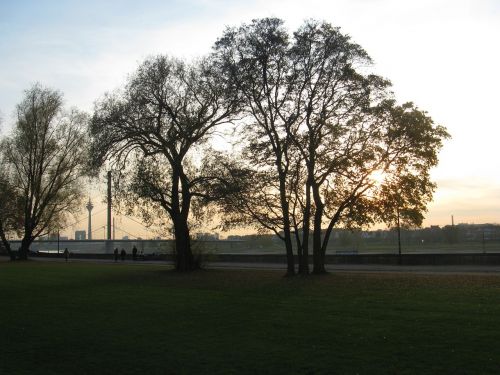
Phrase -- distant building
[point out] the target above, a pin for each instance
(80, 235)
(125, 238)
(54, 237)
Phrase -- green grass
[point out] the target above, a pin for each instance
(80, 318)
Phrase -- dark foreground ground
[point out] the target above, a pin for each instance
(85, 318)
(262, 264)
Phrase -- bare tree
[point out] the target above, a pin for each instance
(45, 157)
(155, 129)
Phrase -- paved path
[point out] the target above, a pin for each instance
(377, 268)
(493, 270)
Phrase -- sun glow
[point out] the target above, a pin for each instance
(378, 177)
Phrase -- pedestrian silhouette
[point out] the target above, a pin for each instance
(66, 254)
(116, 254)
(123, 254)
(134, 253)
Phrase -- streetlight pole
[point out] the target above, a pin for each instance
(109, 205)
(399, 236)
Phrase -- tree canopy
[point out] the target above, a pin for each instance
(44, 159)
(154, 130)
(321, 127)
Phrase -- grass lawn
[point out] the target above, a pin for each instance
(77, 318)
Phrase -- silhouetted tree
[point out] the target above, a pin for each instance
(44, 160)
(10, 205)
(321, 130)
(10, 208)
(155, 129)
(255, 57)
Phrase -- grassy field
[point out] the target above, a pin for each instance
(126, 319)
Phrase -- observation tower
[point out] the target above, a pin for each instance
(89, 207)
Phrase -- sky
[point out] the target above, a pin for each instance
(441, 54)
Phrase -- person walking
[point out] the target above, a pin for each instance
(66, 254)
(123, 254)
(116, 254)
(134, 253)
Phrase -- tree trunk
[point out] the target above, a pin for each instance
(306, 227)
(290, 270)
(184, 260)
(6, 243)
(318, 251)
(298, 241)
(25, 247)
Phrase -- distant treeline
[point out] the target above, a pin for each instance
(448, 234)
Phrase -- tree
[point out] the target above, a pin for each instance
(45, 158)
(328, 128)
(255, 58)
(403, 147)
(10, 211)
(155, 130)
(351, 130)
(10, 206)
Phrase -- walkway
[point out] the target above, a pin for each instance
(362, 268)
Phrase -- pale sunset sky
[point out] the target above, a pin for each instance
(444, 55)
